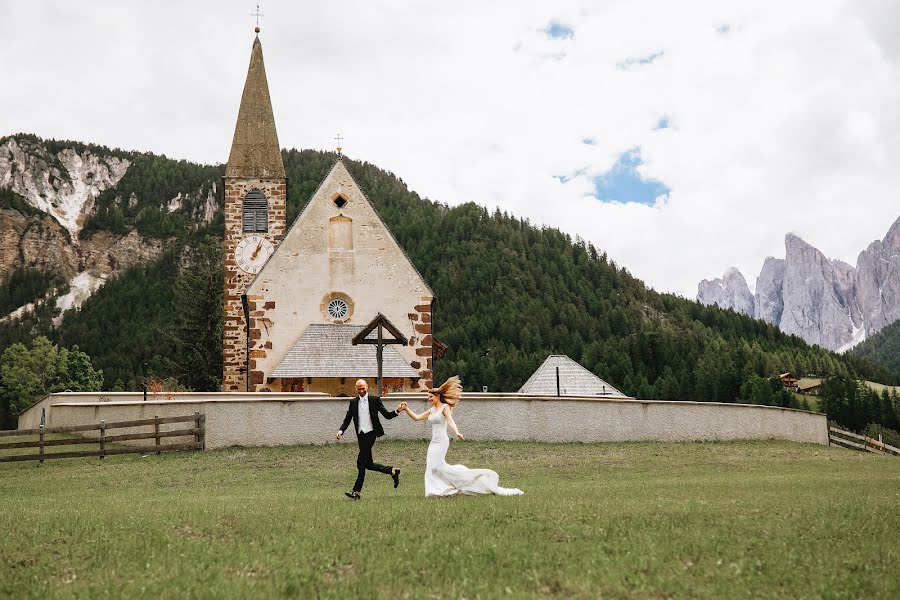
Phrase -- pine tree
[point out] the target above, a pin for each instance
(195, 333)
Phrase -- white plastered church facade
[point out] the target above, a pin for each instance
(295, 300)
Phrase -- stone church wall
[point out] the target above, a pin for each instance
(369, 271)
(236, 280)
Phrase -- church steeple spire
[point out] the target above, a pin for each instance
(255, 216)
(255, 151)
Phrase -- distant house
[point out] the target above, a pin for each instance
(789, 381)
(574, 380)
(809, 386)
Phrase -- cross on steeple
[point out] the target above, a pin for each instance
(339, 138)
(257, 14)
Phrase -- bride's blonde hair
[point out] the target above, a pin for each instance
(449, 392)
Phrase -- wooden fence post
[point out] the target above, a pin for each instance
(197, 440)
(156, 430)
(42, 445)
(102, 440)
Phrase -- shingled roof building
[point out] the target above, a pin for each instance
(574, 380)
(295, 298)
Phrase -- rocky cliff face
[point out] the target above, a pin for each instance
(769, 301)
(63, 185)
(825, 302)
(878, 281)
(819, 300)
(731, 292)
(61, 188)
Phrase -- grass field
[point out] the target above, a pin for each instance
(812, 401)
(646, 520)
(878, 387)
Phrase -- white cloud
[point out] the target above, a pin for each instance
(782, 116)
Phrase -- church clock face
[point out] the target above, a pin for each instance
(252, 253)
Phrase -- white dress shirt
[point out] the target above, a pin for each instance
(365, 419)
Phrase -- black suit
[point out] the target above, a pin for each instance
(367, 440)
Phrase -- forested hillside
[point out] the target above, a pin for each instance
(883, 349)
(508, 293)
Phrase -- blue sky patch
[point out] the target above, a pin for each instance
(622, 183)
(557, 31)
(638, 61)
(589, 141)
(662, 123)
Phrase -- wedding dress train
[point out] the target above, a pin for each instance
(442, 479)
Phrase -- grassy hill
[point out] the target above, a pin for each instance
(647, 520)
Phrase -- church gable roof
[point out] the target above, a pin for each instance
(339, 181)
(574, 380)
(326, 350)
(255, 152)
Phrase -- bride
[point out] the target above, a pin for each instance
(442, 479)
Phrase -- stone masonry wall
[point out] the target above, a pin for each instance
(236, 280)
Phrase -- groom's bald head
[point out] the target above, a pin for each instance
(362, 388)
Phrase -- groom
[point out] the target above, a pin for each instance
(363, 411)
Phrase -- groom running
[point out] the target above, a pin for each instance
(363, 411)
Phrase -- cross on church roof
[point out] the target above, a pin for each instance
(257, 14)
(339, 139)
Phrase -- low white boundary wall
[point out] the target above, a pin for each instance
(269, 419)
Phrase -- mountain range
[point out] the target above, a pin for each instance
(94, 242)
(825, 302)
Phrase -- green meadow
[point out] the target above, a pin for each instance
(642, 520)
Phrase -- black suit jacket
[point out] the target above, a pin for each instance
(375, 407)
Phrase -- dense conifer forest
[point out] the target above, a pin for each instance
(508, 293)
(883, 349)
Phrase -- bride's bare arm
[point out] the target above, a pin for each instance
(416, 417)
(449, 414)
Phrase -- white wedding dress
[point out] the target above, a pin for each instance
(442, 479)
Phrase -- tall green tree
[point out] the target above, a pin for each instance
(29, 374)
(194, 336)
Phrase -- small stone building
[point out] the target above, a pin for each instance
(295, 299)
(574, 380)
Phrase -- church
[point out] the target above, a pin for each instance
(295, 298)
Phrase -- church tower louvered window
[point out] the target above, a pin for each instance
(256, 212)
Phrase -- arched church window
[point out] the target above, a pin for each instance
(256, 212)
(340, 233)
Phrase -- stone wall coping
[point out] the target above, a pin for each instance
(264, 397)
(188, 394)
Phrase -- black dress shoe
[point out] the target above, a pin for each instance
(396, 477)
(352, 495)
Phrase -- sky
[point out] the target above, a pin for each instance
(681, 138)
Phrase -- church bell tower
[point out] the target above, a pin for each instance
(255, 204)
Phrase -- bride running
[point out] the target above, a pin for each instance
(442, 479)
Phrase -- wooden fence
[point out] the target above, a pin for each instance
(849, 439)
(197, 432)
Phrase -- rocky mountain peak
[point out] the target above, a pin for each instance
(769, 304)
(731, 291)
(892, 239)
(825, 302)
